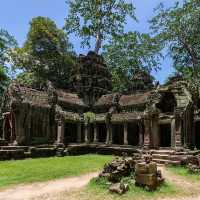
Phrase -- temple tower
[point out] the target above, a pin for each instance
(91, 78)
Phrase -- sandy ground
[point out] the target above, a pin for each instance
(35, 190)
(64, 188)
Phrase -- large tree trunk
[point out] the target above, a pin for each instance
(98, 43)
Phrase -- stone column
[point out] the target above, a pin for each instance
(111, 134)
(79, 132)
(173, 139)
(125, 134)
(140, 135)
(147, 132)
(96, 138)
(86, 133)
(107, 133)
(60, 132)
(178, 130)
(178, 135)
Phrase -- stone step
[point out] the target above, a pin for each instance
(24, 148)
(168, 157)
(167, 162)
(162, 151)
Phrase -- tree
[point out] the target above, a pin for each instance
(6, 43)
(97, 19)
(128, 53)
(178, 28)
(46, 55)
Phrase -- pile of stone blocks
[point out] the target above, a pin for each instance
(193, 164)
(119, 168)
(144, 170)
(147, 175)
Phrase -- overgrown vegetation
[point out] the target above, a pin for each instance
(178, 28)
(47, 54)
(43, 169)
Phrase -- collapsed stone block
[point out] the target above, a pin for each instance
(147, 175)
(119, 188)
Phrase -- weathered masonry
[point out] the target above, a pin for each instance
(145, 117)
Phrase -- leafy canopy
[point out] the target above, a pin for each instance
(128, 53)
(97, 19)
(178, 28)
(46, 55)
(6, 43)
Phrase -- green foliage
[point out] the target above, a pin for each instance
(43, 169)
(6, 43)
(178, 28)
(128, 53)
(98, 189)
(89, 117)
(46, 54)
(97, 19)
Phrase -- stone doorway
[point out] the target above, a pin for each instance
(165, 135)
(101, 131)
(197, 135)
(70, 135)
(133, 134)
(118, 134)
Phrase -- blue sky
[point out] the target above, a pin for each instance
(15, 16)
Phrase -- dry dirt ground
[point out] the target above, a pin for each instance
(70, 189)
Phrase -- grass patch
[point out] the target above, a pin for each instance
(98, 188)
(43, 169)
(183, 171)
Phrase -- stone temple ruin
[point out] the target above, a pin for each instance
(90, 117)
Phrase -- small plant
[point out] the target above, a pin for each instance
(89, 117)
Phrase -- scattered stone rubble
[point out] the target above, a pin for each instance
(119, 168)
(193, 164)
(146, 173)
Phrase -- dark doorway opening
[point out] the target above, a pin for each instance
(70, 133)
(118, 134)
(91, 133)
(165, 135)
(197, 135)
(133, 134)
(101, 131)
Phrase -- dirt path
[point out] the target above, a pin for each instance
(189, 187)
(32, 191)
(62, 189)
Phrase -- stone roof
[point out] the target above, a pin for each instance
(70, 116)
(67, 98)
(26, 94)
(127, 117)
(134, 99)
(105, 100)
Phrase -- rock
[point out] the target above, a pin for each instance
(119, 188)
(118, 168)
(147, 175)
